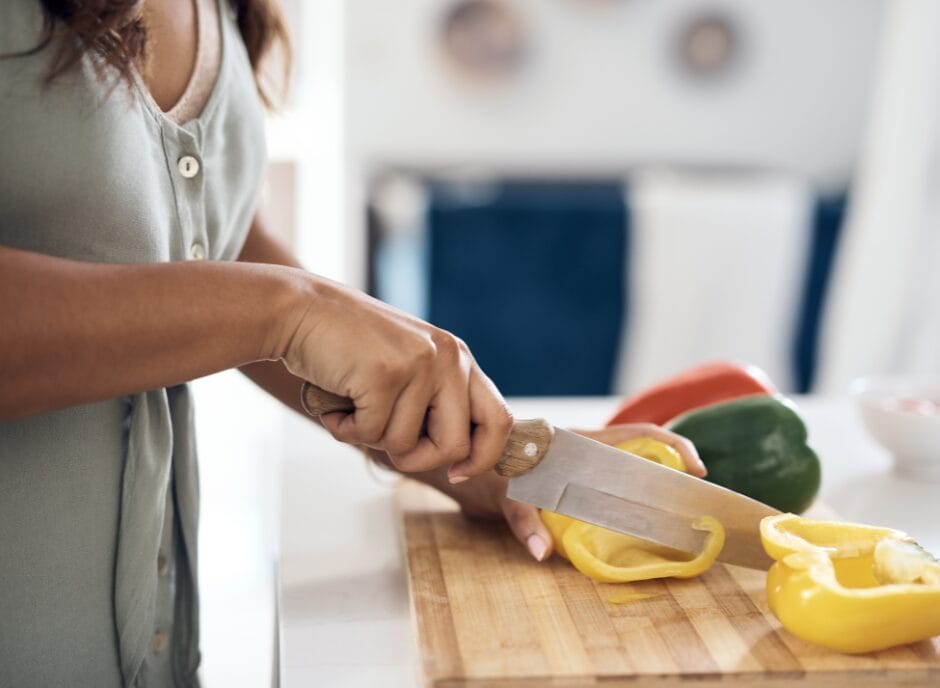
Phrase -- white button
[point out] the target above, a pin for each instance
(188, 166)
(197, 251)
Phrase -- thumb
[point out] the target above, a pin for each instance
(333, 421)
(525, 524)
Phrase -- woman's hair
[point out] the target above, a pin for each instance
(114, 31)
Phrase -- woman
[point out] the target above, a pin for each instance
(133, 259)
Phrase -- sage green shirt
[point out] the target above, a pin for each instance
(99, 503)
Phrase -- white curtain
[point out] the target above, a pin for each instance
(716, 272)
(883, 314)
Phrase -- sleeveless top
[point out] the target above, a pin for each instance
(99, 502)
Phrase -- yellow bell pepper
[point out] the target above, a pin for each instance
(654, 450)
(848, 587)
(612, 557)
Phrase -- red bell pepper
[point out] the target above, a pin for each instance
(702, 385)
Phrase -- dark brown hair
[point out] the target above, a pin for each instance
(114, 31)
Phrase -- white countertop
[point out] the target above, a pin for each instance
(344, 602)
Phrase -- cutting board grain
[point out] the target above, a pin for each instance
(486, 615)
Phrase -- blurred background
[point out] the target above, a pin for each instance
(596, 193)
(593, 194)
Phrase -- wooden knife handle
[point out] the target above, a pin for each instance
(528, 441)
(318, 402)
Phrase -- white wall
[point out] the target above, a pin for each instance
(308, 135)
(599, 93)
(600, 88)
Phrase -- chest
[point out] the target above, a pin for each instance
(173, 45)
(97, 173)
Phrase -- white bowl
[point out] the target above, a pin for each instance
(903, 415)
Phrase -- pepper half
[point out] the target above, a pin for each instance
(757, 446)
(612, 557)
(848, 587)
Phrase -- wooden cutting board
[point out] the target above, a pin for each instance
(487, 615)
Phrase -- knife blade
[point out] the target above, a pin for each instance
(574, 475)
(570, 474)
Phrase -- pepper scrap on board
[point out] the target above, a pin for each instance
(848, 587)
(613, 557)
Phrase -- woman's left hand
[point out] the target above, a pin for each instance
(484, 498)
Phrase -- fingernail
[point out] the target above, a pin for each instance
(457, 479)
(537, 547)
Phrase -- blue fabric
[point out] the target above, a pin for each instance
(532, 278)
(827, 227)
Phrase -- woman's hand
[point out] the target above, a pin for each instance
(418, 392)
(485, 496)
(615, 434)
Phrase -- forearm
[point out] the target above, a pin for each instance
(77, 332)
(271, 376)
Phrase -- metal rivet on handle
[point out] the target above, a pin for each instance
(530, 449)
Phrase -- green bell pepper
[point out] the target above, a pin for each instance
(755, 445)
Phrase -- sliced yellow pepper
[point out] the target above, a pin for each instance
(654, 450)
(849, 587)
(612, 557)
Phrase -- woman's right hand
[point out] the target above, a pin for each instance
(76, 332)
(418, 392)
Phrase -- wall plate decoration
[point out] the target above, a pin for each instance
(483, 39)
(709, 46)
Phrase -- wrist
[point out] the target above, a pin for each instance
(287, 295)
(308, 300)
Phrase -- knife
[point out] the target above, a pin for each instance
(570, 474)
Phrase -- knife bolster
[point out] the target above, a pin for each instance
(528, 442)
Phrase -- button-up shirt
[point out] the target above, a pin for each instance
(99, 502)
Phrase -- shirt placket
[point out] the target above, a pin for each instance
(187, 176)
(187, 172)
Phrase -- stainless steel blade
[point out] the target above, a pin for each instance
(594, 482)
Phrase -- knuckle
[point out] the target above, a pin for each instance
(425, 350)
(406, 463)
(504, 418)
(510, 511)
(446, 344)
(399, 462)
(397, 446)
(456, 451)
(516, 513)
(369, 434)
